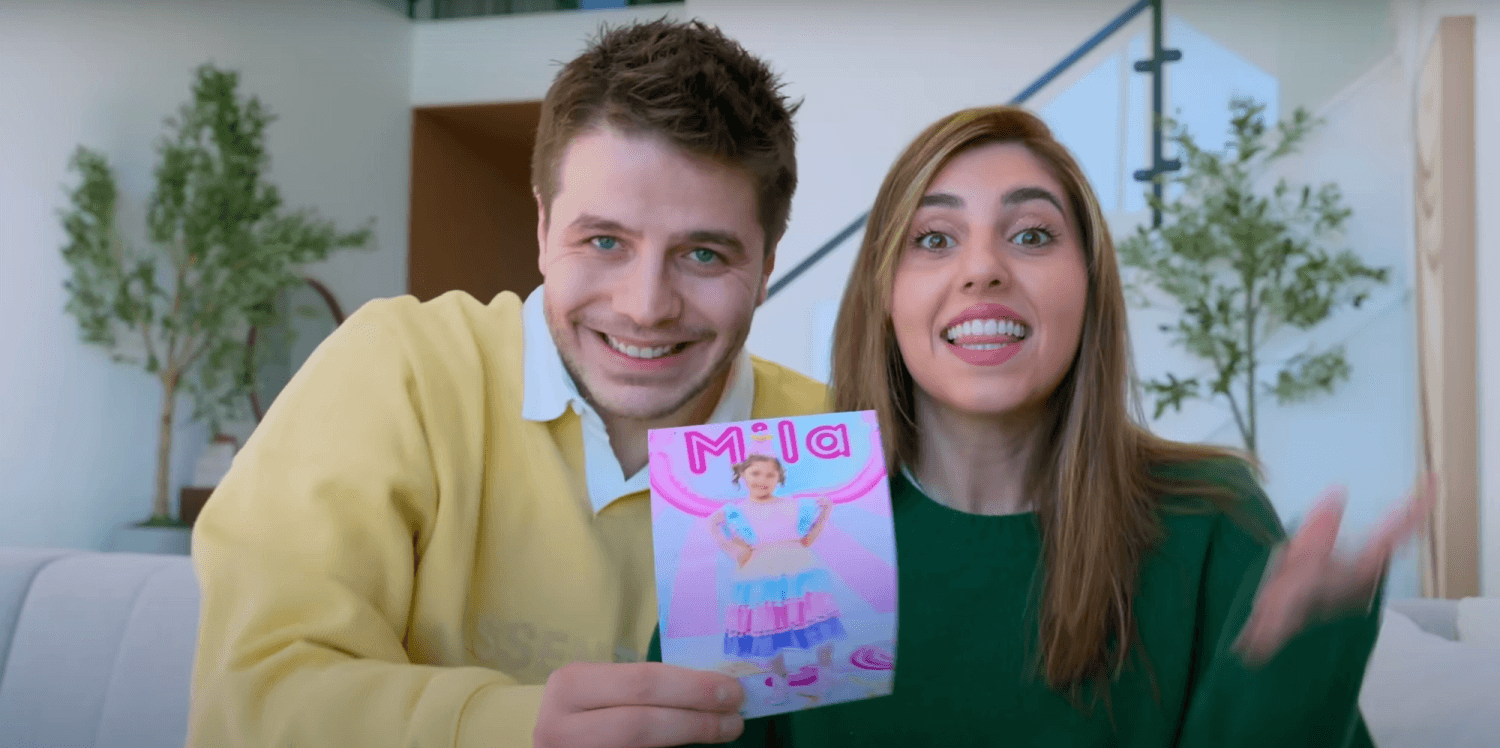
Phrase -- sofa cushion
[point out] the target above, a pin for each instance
(1424, 691)
(18, 567)
(1479, 621)
(102, 654)
(147, 700)
(1433, 615)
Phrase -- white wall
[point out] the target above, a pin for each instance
(77, 444)
(505, 58)
(1487, 116)
(1315, 47)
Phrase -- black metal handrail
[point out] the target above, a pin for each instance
(1153, 66)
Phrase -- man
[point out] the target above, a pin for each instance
(440, 535)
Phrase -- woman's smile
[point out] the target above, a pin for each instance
(985, 334)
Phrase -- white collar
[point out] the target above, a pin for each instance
(548, 391)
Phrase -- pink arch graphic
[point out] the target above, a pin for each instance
(666, 485)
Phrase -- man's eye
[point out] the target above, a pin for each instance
(605, 242)
(704, 256)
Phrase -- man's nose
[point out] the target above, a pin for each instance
(646, 293)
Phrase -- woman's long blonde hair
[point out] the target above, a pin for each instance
(1096, 491)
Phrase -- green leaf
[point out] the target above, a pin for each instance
(1170, 393)
(1307, 375)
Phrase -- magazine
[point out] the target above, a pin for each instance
(775, 557)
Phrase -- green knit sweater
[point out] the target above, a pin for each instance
(967, 623)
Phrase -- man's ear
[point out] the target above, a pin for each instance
(541, 232)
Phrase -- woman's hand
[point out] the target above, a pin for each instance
(1307, 577)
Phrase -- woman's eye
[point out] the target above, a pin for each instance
(1032, 237)
(934, 240)
(704, 256)
(605, 242)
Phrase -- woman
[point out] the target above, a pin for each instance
(1066, 578)
(782, 595)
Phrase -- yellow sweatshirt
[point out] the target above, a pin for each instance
(398, 558)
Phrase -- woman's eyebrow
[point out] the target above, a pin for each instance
(1014, 197)
(1026, 194)
(941, 200)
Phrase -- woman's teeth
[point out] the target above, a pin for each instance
(641, 353)
(986, 328)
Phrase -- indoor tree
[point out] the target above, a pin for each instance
(1241, 262)
(219, 249)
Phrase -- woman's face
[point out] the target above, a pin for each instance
(761, 478)
(990, 288)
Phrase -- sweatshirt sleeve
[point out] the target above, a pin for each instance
(1308, 693)
(305, 557)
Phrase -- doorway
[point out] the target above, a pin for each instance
(473, 218)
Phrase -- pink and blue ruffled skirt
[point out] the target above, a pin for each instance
(790, 611)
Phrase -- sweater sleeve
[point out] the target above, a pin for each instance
(1308, 693)
(305, 557)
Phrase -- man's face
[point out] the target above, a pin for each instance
(653, 262)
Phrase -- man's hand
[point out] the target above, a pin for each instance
(637, 705)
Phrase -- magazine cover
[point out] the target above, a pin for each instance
(775, 557)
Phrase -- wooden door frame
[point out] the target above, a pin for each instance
(1447, 306)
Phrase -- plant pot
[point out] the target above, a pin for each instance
(140, 538)
(190, 501)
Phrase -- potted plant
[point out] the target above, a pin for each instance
(219, 248)
(1241, 262)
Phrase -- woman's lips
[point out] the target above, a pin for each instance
(996, 351)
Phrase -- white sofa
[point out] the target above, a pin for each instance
(1434, 677)
(96, 651)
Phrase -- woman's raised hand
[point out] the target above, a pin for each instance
(1307, 577)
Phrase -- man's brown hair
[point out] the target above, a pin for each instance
(688, 83)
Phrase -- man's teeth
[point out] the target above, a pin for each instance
(638, 352)
(989, 328)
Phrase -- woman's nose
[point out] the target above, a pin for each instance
(984, 267)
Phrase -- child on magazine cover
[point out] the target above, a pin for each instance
(782, 595)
